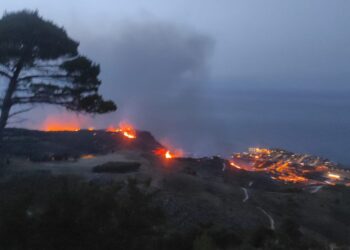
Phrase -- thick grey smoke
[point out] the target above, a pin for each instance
(155, 71)
(279, 72)
(153, 55)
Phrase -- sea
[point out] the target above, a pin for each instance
(224, 121)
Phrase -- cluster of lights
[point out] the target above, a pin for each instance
(334, 176)
(284, 170)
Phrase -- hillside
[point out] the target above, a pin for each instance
(202, 201)
(41, 145)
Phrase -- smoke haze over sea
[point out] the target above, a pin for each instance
(216, 78)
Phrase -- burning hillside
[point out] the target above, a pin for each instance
(74, 123)
(168, 154)
(64, 145)
(57, 124)
(78, 138)
(126, 129)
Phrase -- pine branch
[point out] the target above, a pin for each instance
(20, 112)
(5, 74)
(47, 66)
(17, 121)
(59, 99)
(28, 78)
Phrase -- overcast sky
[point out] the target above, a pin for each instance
(161, 58)
(302, 41)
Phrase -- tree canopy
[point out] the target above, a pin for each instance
(42, 65)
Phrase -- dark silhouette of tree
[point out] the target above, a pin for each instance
(41, 65)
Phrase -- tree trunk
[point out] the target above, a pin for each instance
(7, 103)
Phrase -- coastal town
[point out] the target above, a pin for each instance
(286, 166)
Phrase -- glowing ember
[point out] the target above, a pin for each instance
(61, 127)
(88, 156)
(125, 129)
(162, 152)
(167, 154)
(111, 129)
(64, 122)
(129, 135)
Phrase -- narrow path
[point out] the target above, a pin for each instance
(316, 189)
(223, 166)
(272, 222)
(246, 195)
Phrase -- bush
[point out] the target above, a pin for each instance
(67, 213)
(261, 237)
(204, 242)
(117, 167)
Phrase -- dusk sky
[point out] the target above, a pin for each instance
(303, 42)
(166, 58)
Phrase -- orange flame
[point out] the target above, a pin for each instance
(88, 156)
(129, 135)
(125, 129)
(167, 154)
(111, 129)
(161, 152)
(61, 123)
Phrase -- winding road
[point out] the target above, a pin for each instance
(316, 189)
(246, 195)
(272, 221)
(223, 167)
